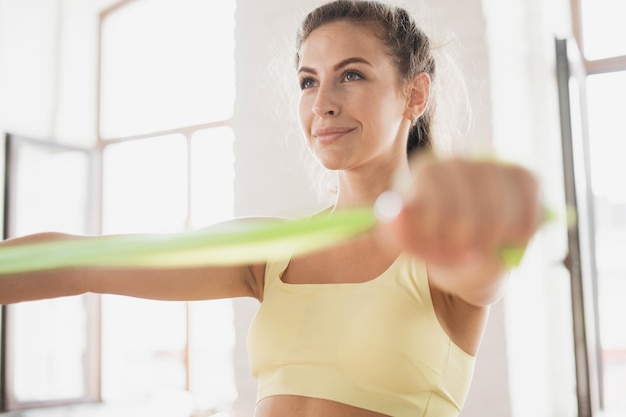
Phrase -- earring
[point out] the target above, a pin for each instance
(414, 121)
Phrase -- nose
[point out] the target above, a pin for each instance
(326, 103)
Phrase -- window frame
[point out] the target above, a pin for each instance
(585, 314)
(186, 131)
(592, 66)
(91, 375)
(102, 143)
(95, 197)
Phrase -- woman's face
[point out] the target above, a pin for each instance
(351, 110)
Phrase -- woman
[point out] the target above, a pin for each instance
(389, 323)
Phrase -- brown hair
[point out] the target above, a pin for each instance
(406, 44)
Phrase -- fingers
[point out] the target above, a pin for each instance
(459, 210)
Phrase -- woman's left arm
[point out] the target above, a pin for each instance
(460, 216)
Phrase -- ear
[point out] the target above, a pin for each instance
(418, 94)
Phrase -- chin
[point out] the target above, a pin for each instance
(331, 161)
(331, 165)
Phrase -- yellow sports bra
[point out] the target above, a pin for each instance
(375, 345)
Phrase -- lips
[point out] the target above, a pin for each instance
(329, 134)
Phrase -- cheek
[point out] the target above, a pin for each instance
(389, 114)
(378, 123)
(380, 105)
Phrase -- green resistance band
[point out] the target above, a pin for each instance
(239, 242)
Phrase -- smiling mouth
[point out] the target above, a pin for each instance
(330, 135)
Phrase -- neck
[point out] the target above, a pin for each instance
(360, 188)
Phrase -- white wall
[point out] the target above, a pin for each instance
(269, 147)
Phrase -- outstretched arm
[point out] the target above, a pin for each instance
(194, 283)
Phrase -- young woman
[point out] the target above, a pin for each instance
(389, 323)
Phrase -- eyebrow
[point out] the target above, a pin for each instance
(340, 65)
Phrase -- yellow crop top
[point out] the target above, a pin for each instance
(375, 345)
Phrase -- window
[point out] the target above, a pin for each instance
(601, 345)
(601, 29)
(605, 95)
(163, 162)
(49, 347)
(166, 99)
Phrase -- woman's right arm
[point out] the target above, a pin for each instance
(175, 284)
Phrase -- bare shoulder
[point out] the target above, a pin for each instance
(254, 274)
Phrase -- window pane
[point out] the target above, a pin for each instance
(607, 147)
(145, 190)
(603, 28)
(48, 339)
(145, 186)
(49, 345)
(143, 348)
(211, 346)
(606, 94)
(212, 380)
(212, 176)
(176, 70)
(51, 190)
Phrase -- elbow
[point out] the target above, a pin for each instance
(480, 287)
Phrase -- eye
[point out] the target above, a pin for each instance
(307, 82)
(352, 75)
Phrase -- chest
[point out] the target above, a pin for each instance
(355, 262)
(375, 331)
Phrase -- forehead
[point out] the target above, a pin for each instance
(342, 38)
